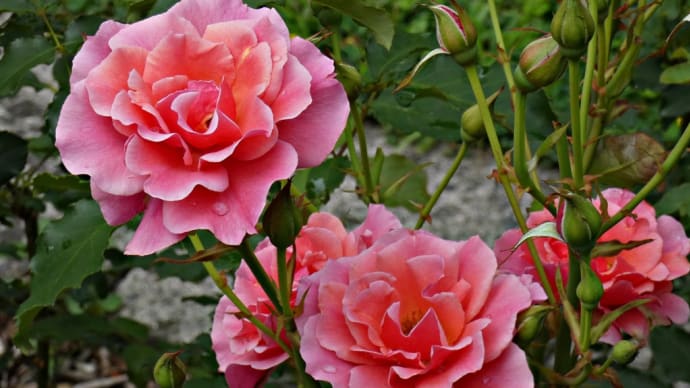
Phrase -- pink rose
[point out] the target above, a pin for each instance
(643, 272)
(243, 352)
(414, 310)
(190, 116)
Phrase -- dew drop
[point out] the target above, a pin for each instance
(220, 208)
(276, 58)
(330, 369)
(486, 380)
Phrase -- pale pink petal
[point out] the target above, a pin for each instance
(168, 176)
(90, 145)
(509, 370)
(148, 33)
(477, 267)
(676, 246)
(111, 76)
(294, 94)
(254, 144)
(322, 364)
(118, 209)
(508, 296)
(314, 132)
(231, 214)
(456, 365)
(180, 54)
(94, 50)
(253, 72)
(674, 307)
(378, 222)
(151, 235)
(204, 13)
(320, 67)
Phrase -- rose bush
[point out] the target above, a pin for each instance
(414, 310)
(244, 353)
(189, 116)
(644, 272)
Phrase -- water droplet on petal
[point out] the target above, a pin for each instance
(276, 58)
(220, 208)
(330, 369)
(486, 380)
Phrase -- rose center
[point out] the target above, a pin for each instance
(410, 320)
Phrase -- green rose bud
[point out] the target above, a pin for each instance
(471, 123)
(541, 64)
(627, 160)
(578, 221)
(624, 351)
(455, 33)
(170, 371)
(282, 220)
(530, 322)
(572, 27)
(590, 289)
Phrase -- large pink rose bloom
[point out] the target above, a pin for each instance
(644, 272)
(414, 310)
(243, 352)
(190, 116)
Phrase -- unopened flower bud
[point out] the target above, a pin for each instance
(624, 351)
(572, 27)
(627, 160)
(578, 222)
(349, 77)
(170, 371)
(455, 33)
(471, 123)
(541, 63)
(282, 220)
(530, 322)
(590, 289)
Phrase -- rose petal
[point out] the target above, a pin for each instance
(230, 214)
(90, 145)
(509, 370)
(151, 236)
(118, 209)
(94, 50)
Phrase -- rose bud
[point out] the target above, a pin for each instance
(455, 33)
(572, 27)
(170, 371)
(578, 221)
(541, 64)
(530, 322)
(590, 290)
(282, 220)
(471, 123)
(624, 351)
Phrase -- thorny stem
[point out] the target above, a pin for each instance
(222, 284)
(476, 86)
(267, 284)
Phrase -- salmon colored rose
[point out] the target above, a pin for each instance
(189, 116)
(244, 353)
(644, 272)
(414, 310)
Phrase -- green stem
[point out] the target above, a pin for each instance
(364, 156)
(503, 57)
(563, 158)
(335, 40)
(267, 284)
(284, 286)
(564, 359)
(476, 86)
(589, 72)
(444, 182)
(222, 284)
(58, 46)
(520, 159)
(585, 328)
(574, 89)
(671, 160)
(594, 131)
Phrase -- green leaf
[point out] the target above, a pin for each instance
(547, 229)
(20, 57)
(675, 200)
(319, 182)
(377, 20)
(676, 74)
(13, 153)
(88, 328)
(671, 349)
(69, 250)
(17, 6)
(403, 182)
